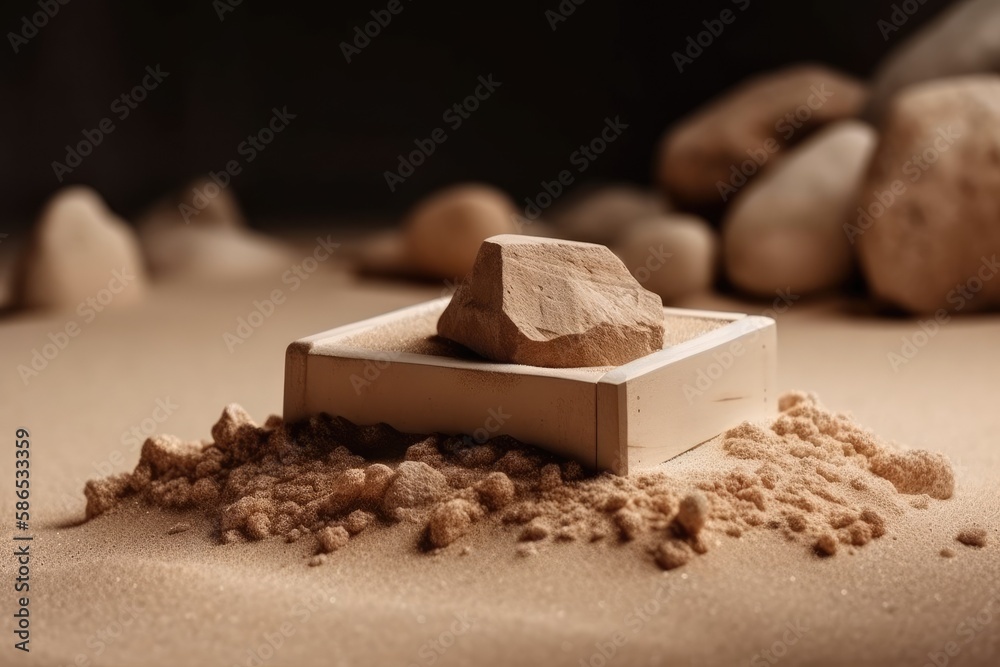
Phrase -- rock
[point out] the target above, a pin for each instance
(415, 484)
(383, 253)
(673, 255)
(358, 521)
(785, 232)
(377, 478)
(705, 158)
(973, 537)
(443, 233)
(826, 544)
(193, 236)
(232, 424)
(630, 522)
(210, 255)
(202, 202)
(79, 250)
(693, 513)
(495, 491)
(560, 304)
(927, 226)
(332, 538)
(450, 521)
(604, 214)
(673, 554)
(536, 530)
(962, 40)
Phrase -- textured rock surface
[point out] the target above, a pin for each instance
(786, 231)
(927, 225)
(672, 255)
(443, 232)
(604, 214)
(79, 250)
(560, 304)
(963, 40)
(758, 118)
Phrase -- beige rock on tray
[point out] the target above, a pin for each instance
(79, 250)
(559, 304)
(965, 39)
(927, 225)
(442, 233)
(786, 231)
(707, 151)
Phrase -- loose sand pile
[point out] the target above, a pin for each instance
(814, 476)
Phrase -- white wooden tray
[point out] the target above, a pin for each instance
(716, 370)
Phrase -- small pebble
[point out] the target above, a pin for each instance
(972, 537)
(693, 513)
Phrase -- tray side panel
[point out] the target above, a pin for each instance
(296, 362)
(612, 428)
(664, 411)
(551, 412)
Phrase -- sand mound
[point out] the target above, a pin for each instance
(813, 475)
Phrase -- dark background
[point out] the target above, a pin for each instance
(607, 59)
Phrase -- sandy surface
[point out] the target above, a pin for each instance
(120, 591)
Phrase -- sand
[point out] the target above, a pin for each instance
(120, 590)
(417, 334)
(811, 474)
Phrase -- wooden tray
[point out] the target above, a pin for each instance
(716, 370)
